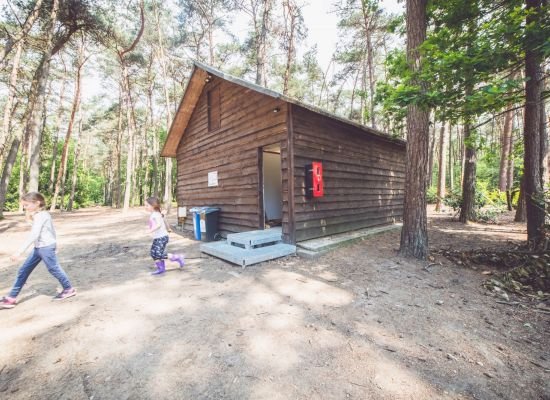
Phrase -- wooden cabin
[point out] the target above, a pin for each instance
(244, 149)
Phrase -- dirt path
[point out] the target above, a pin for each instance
(359, 323)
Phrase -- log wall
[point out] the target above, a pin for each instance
(363, 176)
(247, 123)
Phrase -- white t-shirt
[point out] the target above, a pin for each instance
(42, 231)
(156, 219)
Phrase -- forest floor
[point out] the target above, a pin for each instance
(357, 323)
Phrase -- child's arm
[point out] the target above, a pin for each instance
(37, 224)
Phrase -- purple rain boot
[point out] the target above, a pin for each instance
(161, 268)
(179, 258)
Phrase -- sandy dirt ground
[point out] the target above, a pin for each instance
(357, 323)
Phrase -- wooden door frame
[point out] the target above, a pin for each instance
(261, 208)
(261, 211)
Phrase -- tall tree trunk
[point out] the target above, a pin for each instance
(118, 155)
(6, 172)
(533, 129)
(363, 88)
(61, 173)
(75, 160)
(467, 210)
(131, 128)
(33, 124)
(451, 162)
(126, 94)
(60, 111)
(368, 23)
(290, 16)
(505, 152)
(521, 210)
(8, 112)
(414, 234)
(168, 161)
(431, 146)
(442, 165)
(261, 43)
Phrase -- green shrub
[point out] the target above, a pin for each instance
(431, 195)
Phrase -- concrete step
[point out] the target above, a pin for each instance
(252, 239)
(245, 257)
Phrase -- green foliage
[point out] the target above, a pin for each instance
(431, 195)
(488, 203)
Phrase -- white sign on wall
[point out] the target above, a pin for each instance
(213, 178)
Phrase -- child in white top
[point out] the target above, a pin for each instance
(157, 228)
(44, 239)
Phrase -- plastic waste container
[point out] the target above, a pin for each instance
(196, 221)
(209, 223)
(205, 222)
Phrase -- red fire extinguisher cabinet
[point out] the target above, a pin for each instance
(314, 180)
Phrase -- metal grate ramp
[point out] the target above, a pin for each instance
(249, 248)
(252, 239)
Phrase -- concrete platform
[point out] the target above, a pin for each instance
(316, 247)
(245, 257)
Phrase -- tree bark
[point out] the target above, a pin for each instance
(533, 129)
(60, 110)
(505, 152)
(431, 146)
(451, 165)
(369, 24)
(8, 112)
(467, 210)
(442, 165)
(6, 173)
(261, 43)
(131, 128)
(168, 161)
(118, 155)
(59, 184)
(289, 11)
(76, 159)
(33, 124)
(125, 85)
(414, 234)
(521, 210)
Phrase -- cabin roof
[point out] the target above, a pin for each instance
(194, 89)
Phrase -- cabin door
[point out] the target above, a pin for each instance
(271, 189)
